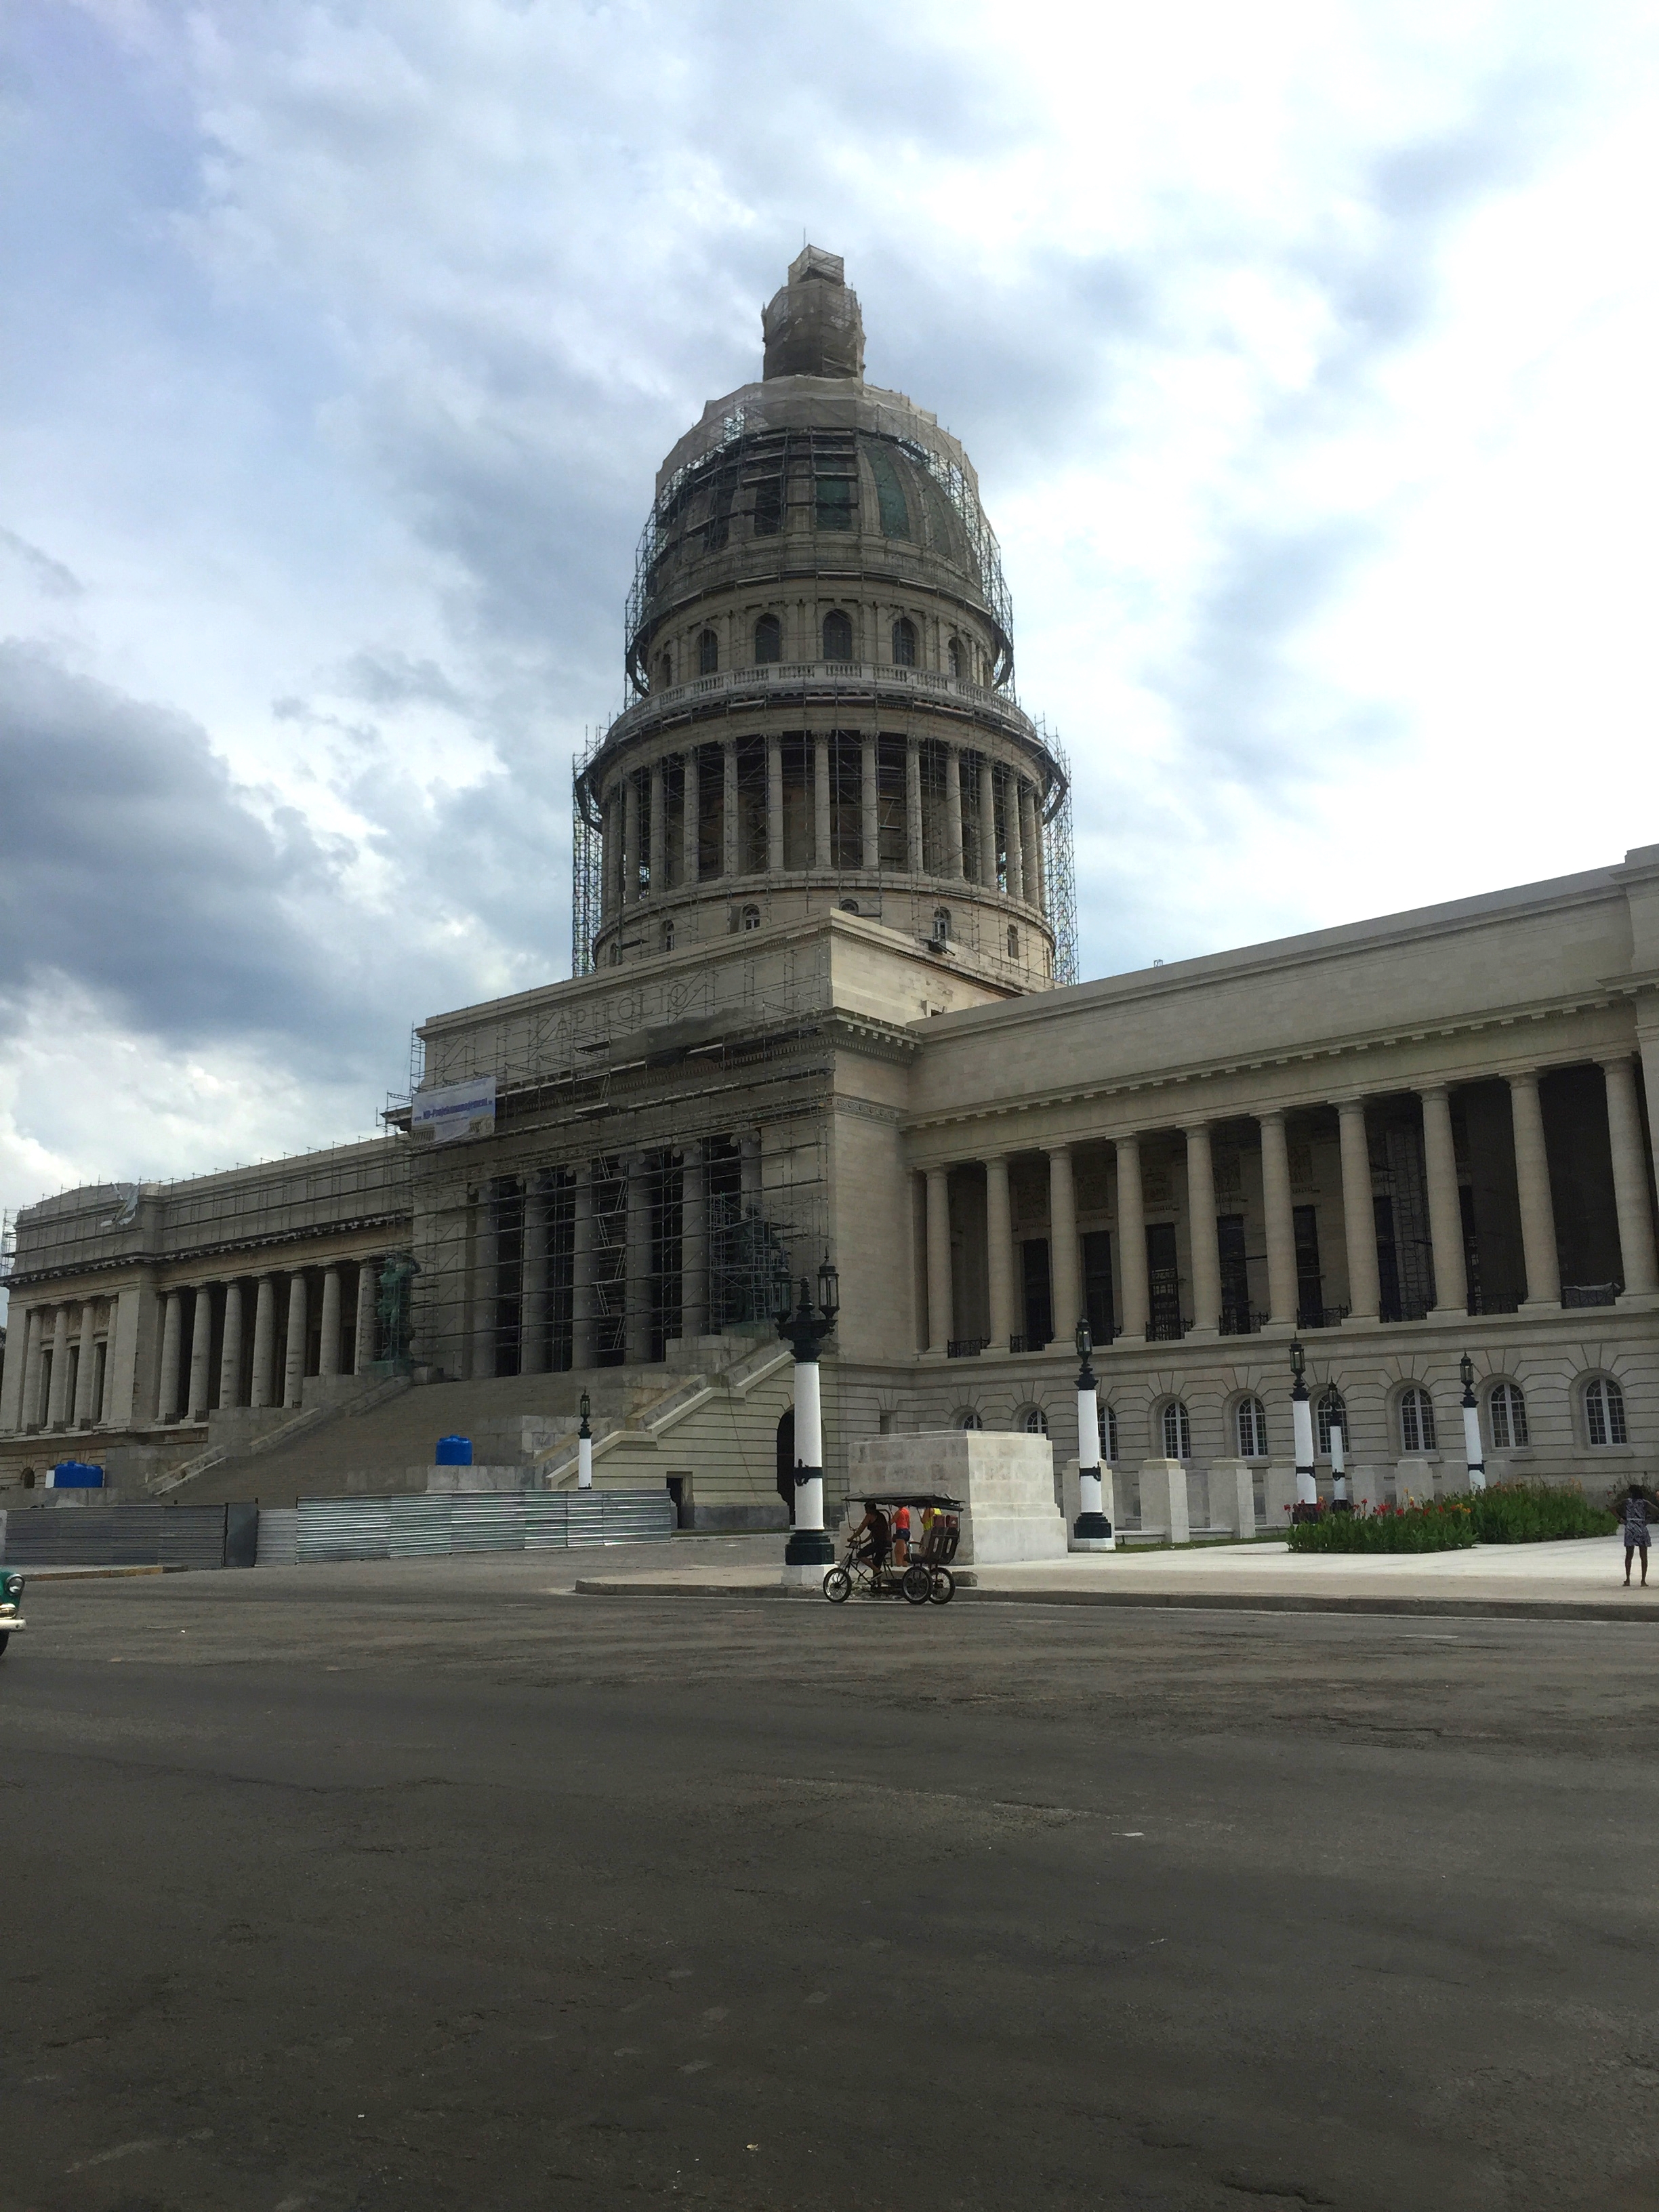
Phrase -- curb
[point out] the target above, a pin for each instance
(1188, 1601)
(85, 1574)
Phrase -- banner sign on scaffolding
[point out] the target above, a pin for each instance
(451, 1110)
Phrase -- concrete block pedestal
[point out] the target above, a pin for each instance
(1007, 1484)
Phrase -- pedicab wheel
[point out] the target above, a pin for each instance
(918, 1584)
(944, 1586)
(837, 1585)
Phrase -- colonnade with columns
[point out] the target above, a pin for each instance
(1207, 1314)
(969, 815)
(600, 1261)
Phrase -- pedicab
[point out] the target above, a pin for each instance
(870, 1565)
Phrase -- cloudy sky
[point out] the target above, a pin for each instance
(1306, 353)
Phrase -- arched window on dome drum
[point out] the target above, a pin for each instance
(1506, 1409)
(668, 936)
(665, 669)
(904, 643)
(1416, 1421)
(768, 638)
(708, 654)
(1013, 944)
(953, 657)
(1177, 1432)
(838, 636)
(749, 917)
(941, 925)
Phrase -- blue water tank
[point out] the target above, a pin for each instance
(76, 1475)
(454, 1451)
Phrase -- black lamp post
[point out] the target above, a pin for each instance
(1302, 1430)
(1473, 1450)
(803, 1329)
(585, 1446)
(1092, 1526)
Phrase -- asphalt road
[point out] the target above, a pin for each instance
(383, 1886)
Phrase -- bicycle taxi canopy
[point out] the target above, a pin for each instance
(934, 1497)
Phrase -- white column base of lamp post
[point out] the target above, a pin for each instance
(1306, 1485)
(809, 1550)
(1092, 1530)
(584, 1463)
(1474, 1450)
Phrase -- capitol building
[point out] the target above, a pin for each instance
(824, 1002)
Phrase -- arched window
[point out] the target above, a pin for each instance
(1506, 1409)
(1604, 1412)
(904, 643)
(616, 952)
(1034, 1422)
(1416, 1419)
(970, 1419)
(1013, 944)
(1177, 1433)
(837, 635)
(1107, 1417)
(768, 638)
(749, 917)
(941, 925)
(708, 654)
(1252, 1422)
(668, 936)
(1331, 1409)
(665, 669)
(953, 657)
(849, 906)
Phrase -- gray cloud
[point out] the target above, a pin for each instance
(49, 576)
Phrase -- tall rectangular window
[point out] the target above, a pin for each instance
(1310, 1281)
(1098, 1283)
(1039, 1304)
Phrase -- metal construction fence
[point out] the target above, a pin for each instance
(129, 1536)
(439, 1527)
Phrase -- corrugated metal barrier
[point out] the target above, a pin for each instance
(440, 1526)
(127, 1535)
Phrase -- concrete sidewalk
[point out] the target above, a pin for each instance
(1578, 1579)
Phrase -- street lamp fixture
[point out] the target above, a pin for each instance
(1092, 1529)
(584, 1445)
(809, 1550)
(1473, 1450)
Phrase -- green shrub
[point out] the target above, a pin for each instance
(1534, 1513)
(1441, 1526)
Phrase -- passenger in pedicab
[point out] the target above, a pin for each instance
(902, 1537)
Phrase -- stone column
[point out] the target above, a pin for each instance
(774, 806)
(230, 1348)
(20, 1346)
(659, 832)
(486, 1283)
(731, 857)
(1281, 1223)
(201, 1352)
(637, 1288)
(34, 1411)
(953, 810)
(1062, 1242)
(913, 861)
(941, 1320)
(86, 1371)
(57, 1402)
(1451, 1289)
(1532, 1177)
(1037, 865)
(293, 1364)
(822, 849)
(694, 1243)
(609, 856)
(1359, 1215)
(1630, 1178)
(1013, 830)
(630, 882)
(691, 816)
(1201, 1231)
(1132, 1240)
(988, 873)
(869, 808)
(999, 1250)
(368, 1292)
(583, 1350)
(328, 1357)
(533, 1313)
(260, 1391)
(1029, 842)
(109, 1393)
(166, 1392)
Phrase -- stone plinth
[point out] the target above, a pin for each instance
(1007, 1484)
(1163, 1499)
(1232, 1496)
